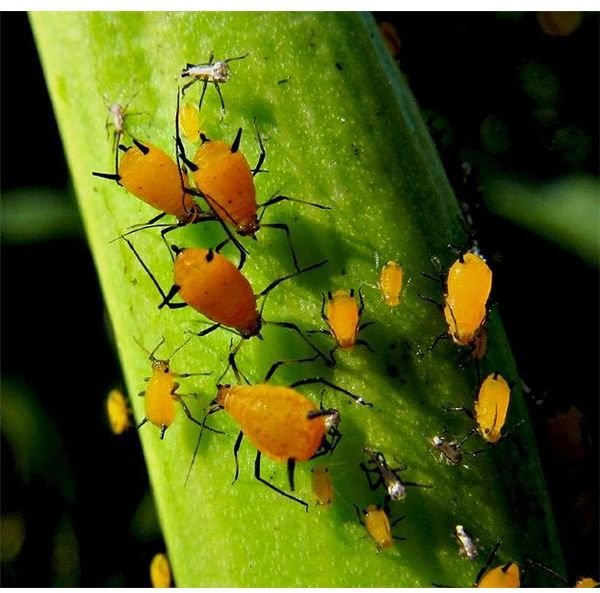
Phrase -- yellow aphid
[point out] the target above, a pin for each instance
(586, 583)
(342, 315)
(377, 524)
(189, 120)
(322, 485)
(118, 411)
(390, 281)
(160, 572)
(491, 407)
(468, 287)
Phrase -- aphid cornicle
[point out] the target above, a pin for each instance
(391, 283)
(212, 72)
(386, 476)
(377, 523)
(281, 423)
(491, 408)
(118, 411)
(225, 181)
(209, 283)
(342, 312)
(160, 572)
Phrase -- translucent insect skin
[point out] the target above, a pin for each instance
(468, 286)
(466, 543)
(279, 421)
(322, 486)
(391, 282)
(215, 72)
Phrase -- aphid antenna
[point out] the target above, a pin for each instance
(211, 410)
(548, 570)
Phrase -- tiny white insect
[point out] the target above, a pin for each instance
(210, 72)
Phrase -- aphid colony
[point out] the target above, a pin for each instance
(283, 424)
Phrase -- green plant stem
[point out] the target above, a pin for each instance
(341, 128)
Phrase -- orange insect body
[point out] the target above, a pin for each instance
(390, 281)
(322, 486)
(586, 582)
(491, 407)
(154, 177)
(342, 317)
(212, 285)
(159, 403)
(502, 577)
(275, 419)
(377, 524)
(226, 180)
(468, 287)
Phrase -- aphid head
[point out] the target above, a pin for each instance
(248, 228)
(254, 328)
(437, 441)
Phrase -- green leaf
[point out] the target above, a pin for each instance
(343, 131)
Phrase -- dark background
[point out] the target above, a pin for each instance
(76, 509)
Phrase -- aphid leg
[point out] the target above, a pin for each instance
(272, 486)
(208, 330)
(202, 93)
(365, 344)
(358, 399)
(144, 420)
(210, 411)
(430, 300)
(277, 199)
(373, 485)
(235, 145)
(280, 363)
(263, 153)
(443, 336)
(294, 327)
(220, 97)
(166, 297)
(189, 415)
(284, 227)
(359, 515)
(236, 448)
(462, 409)
(278, 281)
